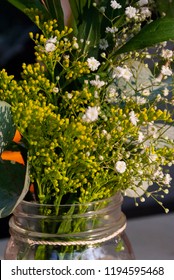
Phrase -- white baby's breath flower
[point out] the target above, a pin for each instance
(158, 174)
(55, 89)
(140, 100)
(91, 114)
(142, 3)
(50, 47)
(153, 157)
(140, 137)
(103, 44)
(120, 166)
(146, 92)
(50, 44)
(96, 94)
(165, 92)
(166, 71)
(101, 157)
(104, 132)
(52, 40)
(112, 30)
(152, 130)
(115, 5)
(131, 12)
(93, 63)
(88, 154)
(122, 72)
(75, 45)
(167, 179)
(111, 93)
(145, 12)
(69, 95)
(166, 53)
(97, 83)
(133, 118)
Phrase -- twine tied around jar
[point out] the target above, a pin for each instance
(77, 242)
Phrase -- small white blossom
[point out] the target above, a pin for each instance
(145, 12)
(131, 12)
(146, 92)
(101, 157)
(142, 3)
(140, 100)
(166, 53)
(120, 166)
(140, 137)
(87, 154)
(93, 63)
(91, 114)
(103, 44)
(165, 92)
(52, 40)
(158, 174)
(111, 29)
(111, 94)
(69, 95)
(96, 94)
(50, 47)
(152, 130)
(50, 44)
(122, 72)
(104, 132)
(153, 157)
(108, 136)
(166, 71)
(75, 45)
(55, 89)
(115, 5)
(133, 118)
(167, 179)
(97, 83)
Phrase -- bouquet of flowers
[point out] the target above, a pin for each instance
(93, 115)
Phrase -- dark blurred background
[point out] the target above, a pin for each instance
(16, 48)
(15, 44)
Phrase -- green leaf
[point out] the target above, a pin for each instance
(157, 31)
(84, 26)
(14, 178)
(142, 78)
(7, 127)
(14, 184)
(55, 11)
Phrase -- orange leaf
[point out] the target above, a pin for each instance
(17, 137)
(13, 156)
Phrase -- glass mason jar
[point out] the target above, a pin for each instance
(93, 231)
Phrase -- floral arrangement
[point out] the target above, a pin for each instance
(93, 115)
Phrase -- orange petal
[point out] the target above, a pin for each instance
(32, 188)
(13, 156)
(17, 137)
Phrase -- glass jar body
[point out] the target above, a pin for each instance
(93, 231)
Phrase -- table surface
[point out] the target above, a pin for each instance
(152, 237)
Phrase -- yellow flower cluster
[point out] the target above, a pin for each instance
(80, 143)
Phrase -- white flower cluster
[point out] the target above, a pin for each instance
(115, 5)
(50, 45)
(91, 114)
